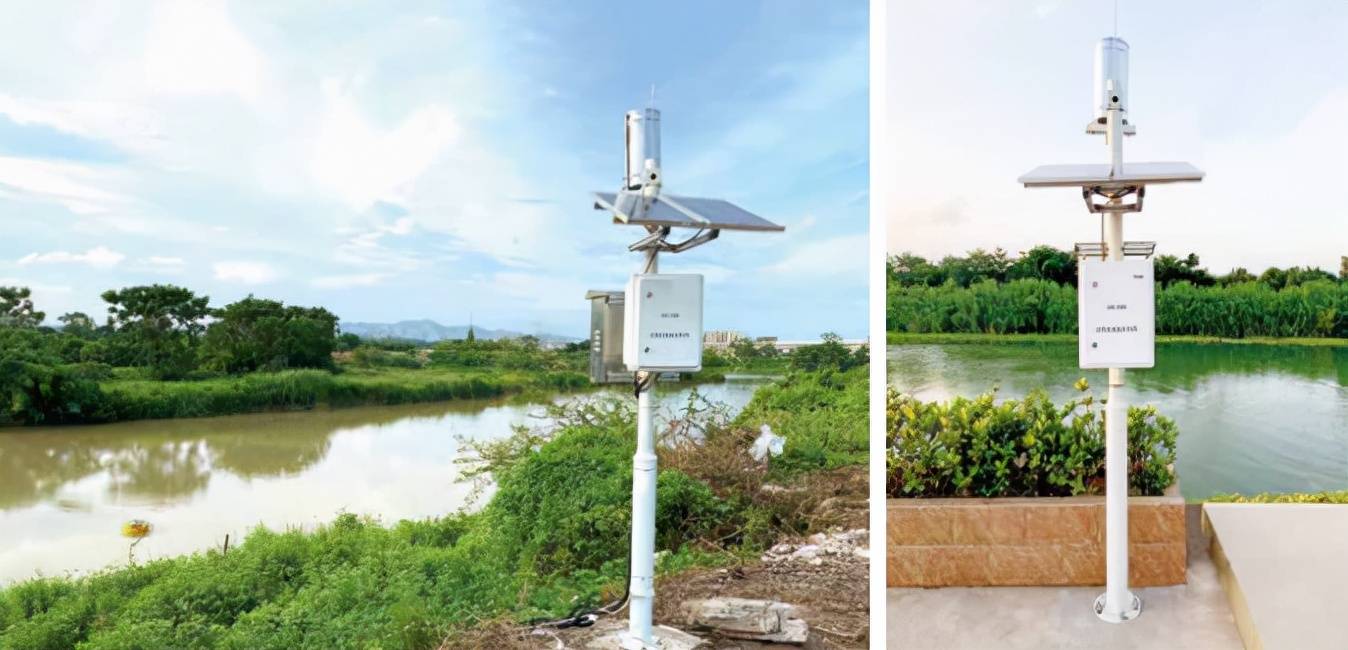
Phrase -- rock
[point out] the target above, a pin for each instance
(806, 552)
(746, 618)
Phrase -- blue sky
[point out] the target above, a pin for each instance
(1253, 93)
(433, 161)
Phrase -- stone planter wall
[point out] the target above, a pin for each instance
(1047, 541)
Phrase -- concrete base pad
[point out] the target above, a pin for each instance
(1283, 566)
(1194, 616)
(607, 634)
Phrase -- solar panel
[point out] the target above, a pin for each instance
(1086, 175)
(680, 212)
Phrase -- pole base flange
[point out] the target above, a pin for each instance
(1134, 609)
(629, 641)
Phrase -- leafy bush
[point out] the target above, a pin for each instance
(1029, 447)
(38, 386)
(1339, 497)
(370, 356)
(830, 354)
(524, 353)
(823, 416)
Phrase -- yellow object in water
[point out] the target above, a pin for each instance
(136, 528)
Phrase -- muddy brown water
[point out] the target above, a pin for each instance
(66, 491)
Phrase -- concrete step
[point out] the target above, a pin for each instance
(1283, 568)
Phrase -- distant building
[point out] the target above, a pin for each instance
(721, 338)
(787, 347)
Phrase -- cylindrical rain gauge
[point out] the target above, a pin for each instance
(643, 143)
(1111, 63)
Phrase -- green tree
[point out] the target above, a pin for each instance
(1170, 269)
(830, 354)
(37, 385)
(346, 341)
(744, 351)
(1237, 275)
(259, 334)
(78, 323)
(156, 327)
(16, 308)
(1044, 263)
(908, 269)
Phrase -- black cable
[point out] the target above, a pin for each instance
(585, 619)
(577, 618)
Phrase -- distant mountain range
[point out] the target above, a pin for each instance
(430, 331)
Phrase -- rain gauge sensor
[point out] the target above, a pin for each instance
(662, 326)
(1116, 293)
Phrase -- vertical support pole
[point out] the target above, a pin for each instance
(641, 603)
(1117, 604)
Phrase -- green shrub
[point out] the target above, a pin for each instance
(822, 415)
(1315, 308)
(373, 357)
(1339, 497)
(1030, 447)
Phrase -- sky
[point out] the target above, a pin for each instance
(433, 160)
(1253, 93)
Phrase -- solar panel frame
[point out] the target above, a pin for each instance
(682, 212)
(1091, 175)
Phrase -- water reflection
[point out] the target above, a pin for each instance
(64, 492)
(1252, 418)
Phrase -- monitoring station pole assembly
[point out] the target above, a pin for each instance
(662, 326)
(1116, 295)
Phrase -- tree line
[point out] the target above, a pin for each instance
(1035, 292)
(165, 331)
(1060, 266)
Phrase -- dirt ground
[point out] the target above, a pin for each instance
(829, 588)
(832, 596)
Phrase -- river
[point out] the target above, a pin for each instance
(1252, 418)
(66, 491)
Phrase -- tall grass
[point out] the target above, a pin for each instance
(292, 389)
(1314, 309)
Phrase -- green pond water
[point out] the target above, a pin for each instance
(1252, 418)
(65, 491)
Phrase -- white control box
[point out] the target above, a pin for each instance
(662, 323)
(1116, 313)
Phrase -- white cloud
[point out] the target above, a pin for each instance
(98, 257)
(359, 163)
(72, 185)
(839, 256)
(539, 291)
(347, 281)
(244, 272)
(194, 48)
(54, 299)
(164, 262)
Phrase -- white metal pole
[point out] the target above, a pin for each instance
(1117, 604)
(641, 604)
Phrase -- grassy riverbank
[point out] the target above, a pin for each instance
(138, 399)
(552, 539)
(909, 338)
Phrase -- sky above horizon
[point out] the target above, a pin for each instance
(1254, 94)
(433, 161)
